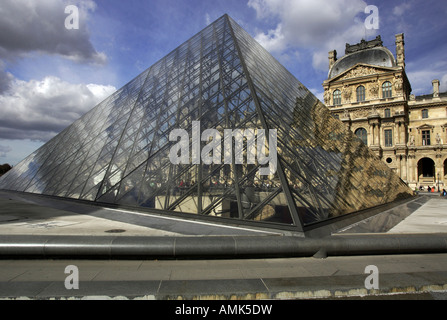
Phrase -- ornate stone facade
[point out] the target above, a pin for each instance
(373, 98)
(359, 71)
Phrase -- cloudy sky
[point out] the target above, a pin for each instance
(51, 75)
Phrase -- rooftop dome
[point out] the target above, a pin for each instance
(377, 56)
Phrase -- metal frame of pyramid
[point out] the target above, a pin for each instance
(118, 152)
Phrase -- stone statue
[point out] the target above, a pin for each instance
(374, 88)
(363, 44)
(438, 139)
(347, 92)
(327, 97)
(411, 140)
(398, 85)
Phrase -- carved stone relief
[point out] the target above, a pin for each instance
(361, 113)
(374, 89)
(327, 97)
(398, 85)
(360, 71)
(347, 93)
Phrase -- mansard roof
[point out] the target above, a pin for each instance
(376, 56)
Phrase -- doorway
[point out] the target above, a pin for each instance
(426, 171)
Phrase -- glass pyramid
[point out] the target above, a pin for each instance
(221, 78)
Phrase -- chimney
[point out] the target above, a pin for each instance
(435, 84)
(400, 50)
(332, 58)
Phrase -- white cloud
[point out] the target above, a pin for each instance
(39, 25)
(207, 19)
(38, 110)
(402, 8)
(5, 79)
(318, 93)
(4, 150)
(421, 81)
(273, 41)
(320, 25)
(263, 8)
(421, 73)
(443, 85)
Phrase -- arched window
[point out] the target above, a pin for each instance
(362, 134)
(337, 97)
(360, 93)
(387, 90)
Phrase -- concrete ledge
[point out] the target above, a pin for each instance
(345, 286)
(27, 246)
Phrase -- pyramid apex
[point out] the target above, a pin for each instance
(226, 16)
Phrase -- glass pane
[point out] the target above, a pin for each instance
(221, 78)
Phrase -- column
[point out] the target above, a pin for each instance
(377, 135)
(403, 130)
(404, 174)
(411, 170)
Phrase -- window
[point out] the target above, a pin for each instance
(362, 134)
(426, 137)
(387, 113)
(337, 97)
(360, 93)
(425, 114)
(388, 138)
(387, 90)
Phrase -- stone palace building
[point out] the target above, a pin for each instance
(368, 90)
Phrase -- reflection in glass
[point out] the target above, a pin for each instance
(118, 153)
